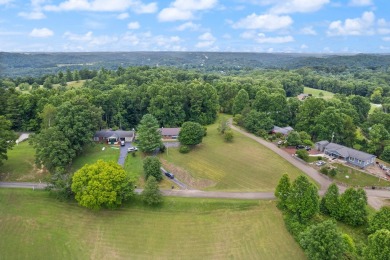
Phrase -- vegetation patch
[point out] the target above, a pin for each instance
(182, 228)
(316, 93)
(242, 165)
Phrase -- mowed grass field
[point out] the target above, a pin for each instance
(95, 152)
(242, 165)
(20, 165)
(36, 226)
(316, 92)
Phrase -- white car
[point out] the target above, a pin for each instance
(320, 163)
(132, 149)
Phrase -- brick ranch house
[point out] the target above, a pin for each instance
(113, 137)
(169, 133)
(352, 156)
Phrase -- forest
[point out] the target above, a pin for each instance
(65, 116)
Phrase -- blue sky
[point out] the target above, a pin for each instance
(301, 26)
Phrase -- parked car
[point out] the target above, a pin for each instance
(122, 143)
(169, 175)
(132, 149)
(300, 146)
(320, 163)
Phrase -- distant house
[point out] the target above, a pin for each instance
(169, 133)
(303, 96)
(283, 130)
(350, 155)
(113, 137)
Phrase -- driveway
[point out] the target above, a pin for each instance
(123, 153)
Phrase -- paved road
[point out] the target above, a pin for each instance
(174, 180)
(25, 185)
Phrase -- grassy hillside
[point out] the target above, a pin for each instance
(35, 226)
(242, 165)
(316, 93)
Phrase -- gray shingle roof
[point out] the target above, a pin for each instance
(106, 133)
(282, 130)
(323, 142)
(349, 152)
(170, 131)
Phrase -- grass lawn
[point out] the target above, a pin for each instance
(357, 178)
(93, 153)
(242, 165)
(316, 92)
(20, 165)
(36, 226)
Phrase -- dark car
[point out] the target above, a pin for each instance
(169, 175)
(307, 148)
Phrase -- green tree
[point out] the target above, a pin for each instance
(330, 202)
(378, 247)
(102, 184)
(223, 125)
(378, 136)
(362, 106)
(381, 220)
(303, 154)
(191, 133)
(294, 138)
(53, 150)
(7, 138)
(283, 190)
(353, 207)
(48, 116)
(228, 136)
(48, 84)
(151, 194)
(323, 241)
(303, 200)
(386, 154)
(255, 121)
(240, 101)
(152, 167)
(148, 134)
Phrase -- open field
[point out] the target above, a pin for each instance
(357, 178)
(316, 92)
(93, 153)
(242, 165)
(36, 226)
(20, 165)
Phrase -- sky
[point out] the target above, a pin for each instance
(287, 26)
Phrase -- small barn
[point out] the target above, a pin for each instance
(113, 137)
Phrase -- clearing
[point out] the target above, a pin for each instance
(316, 92)
(20, 165)
(242, 165)
(37, 226)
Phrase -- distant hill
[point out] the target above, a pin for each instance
(37, 64)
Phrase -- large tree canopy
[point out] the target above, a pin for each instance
(148, 134)
(7, 138)
(102, 184)
(191, 133)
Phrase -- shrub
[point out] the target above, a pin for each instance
(238, 119)
(303, 154)
(184, 149)
(162, 148)
(228, 136)
(307, 142)
(262, 133)
(324, 170)
(332, 172)
(319, 158)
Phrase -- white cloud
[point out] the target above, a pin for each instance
(122, 16)
(34, 15)
(103, 6)
(360, 2)
(383, 26)
(188, 25)
(133, 25)
(206, 40)
(304, 46)
(386, 39)
(41, 33)
(90, 39)
(297, 6)
(357, 26)
(262, 38)
(308, 31)
(268, 22)
(248, 35)
(184, 9)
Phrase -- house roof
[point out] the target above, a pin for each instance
(170, 131)
(323, 142)
(348, 152)
(283, 130)
(106, 133)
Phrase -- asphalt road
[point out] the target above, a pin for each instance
(123, 153)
